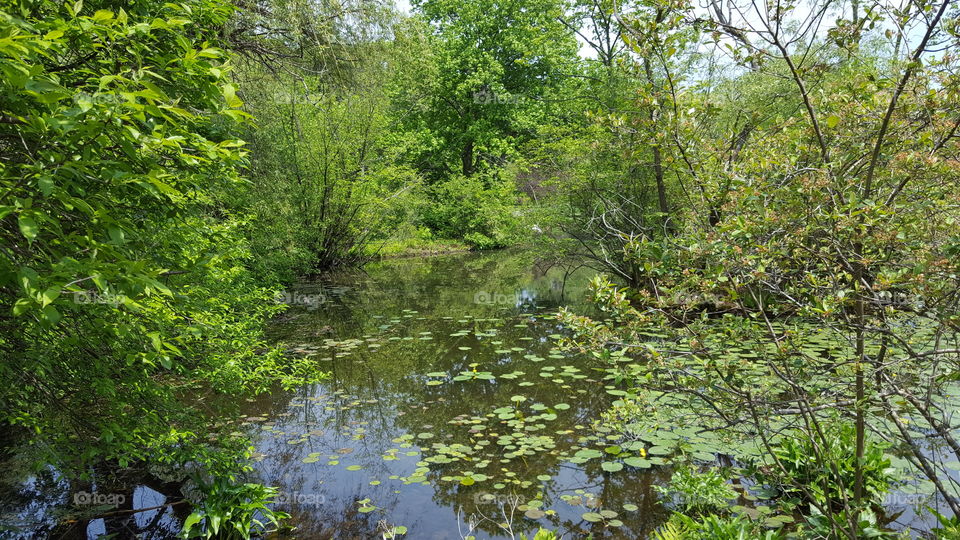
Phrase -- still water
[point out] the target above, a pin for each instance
(448, 410)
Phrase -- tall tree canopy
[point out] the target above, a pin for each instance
(495, 71)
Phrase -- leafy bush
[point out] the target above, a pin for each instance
(126, 271)
(480, 211)
(324, 182)
(698, 491)
(826, 470)
(949, 528)
(229, 510)
(712, 527)
(867, 526)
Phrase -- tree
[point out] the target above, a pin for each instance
(494, 70)
(829, 219)
(124, 272)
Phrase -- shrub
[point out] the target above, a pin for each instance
(698, 491)
(480, 211)
(231, 510)
(827, 471)
(713, 527)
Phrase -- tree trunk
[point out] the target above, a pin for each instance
(661, 188)
(466, 157)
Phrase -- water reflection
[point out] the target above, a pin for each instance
(367, 433)
(422, 353)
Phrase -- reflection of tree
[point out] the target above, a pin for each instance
(482, 398)
(443, 286)
(436, 287)
(615, 490)
(611, 490)
(338, 517)
(393, 307)
(126, 519)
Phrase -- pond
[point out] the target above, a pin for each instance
(449, 411)
(447, 406)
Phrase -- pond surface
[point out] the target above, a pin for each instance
(448, 410)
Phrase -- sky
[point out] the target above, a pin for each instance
(585, 51)
(800, 11)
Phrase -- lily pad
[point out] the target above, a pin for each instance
(611, 466)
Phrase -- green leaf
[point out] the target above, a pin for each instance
(51, 315)
(28, 226)
(116, 235)
(638, 462)
(192, 520)
(45, 183)
(155, 340)
(230, 94)
(49, 296)
(21, 306)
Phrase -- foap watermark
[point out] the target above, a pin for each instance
(94, 297)
(296, 498)
(486, 297)
(311, 301)
(83, 498)
(488, 97)
(905, 499)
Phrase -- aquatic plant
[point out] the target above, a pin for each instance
(698, 491)
(231, 510)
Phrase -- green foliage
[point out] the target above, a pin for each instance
(542, 534)
(486, 83)
(473, 83)
(698, 491)
(824, 467)
(866, 526)
(229, 510)
(125, 273)
(393, 532)
(484, 216)
(949, 528)
(801, 190)
(411, 239)
(713, 527)
(324, 183)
